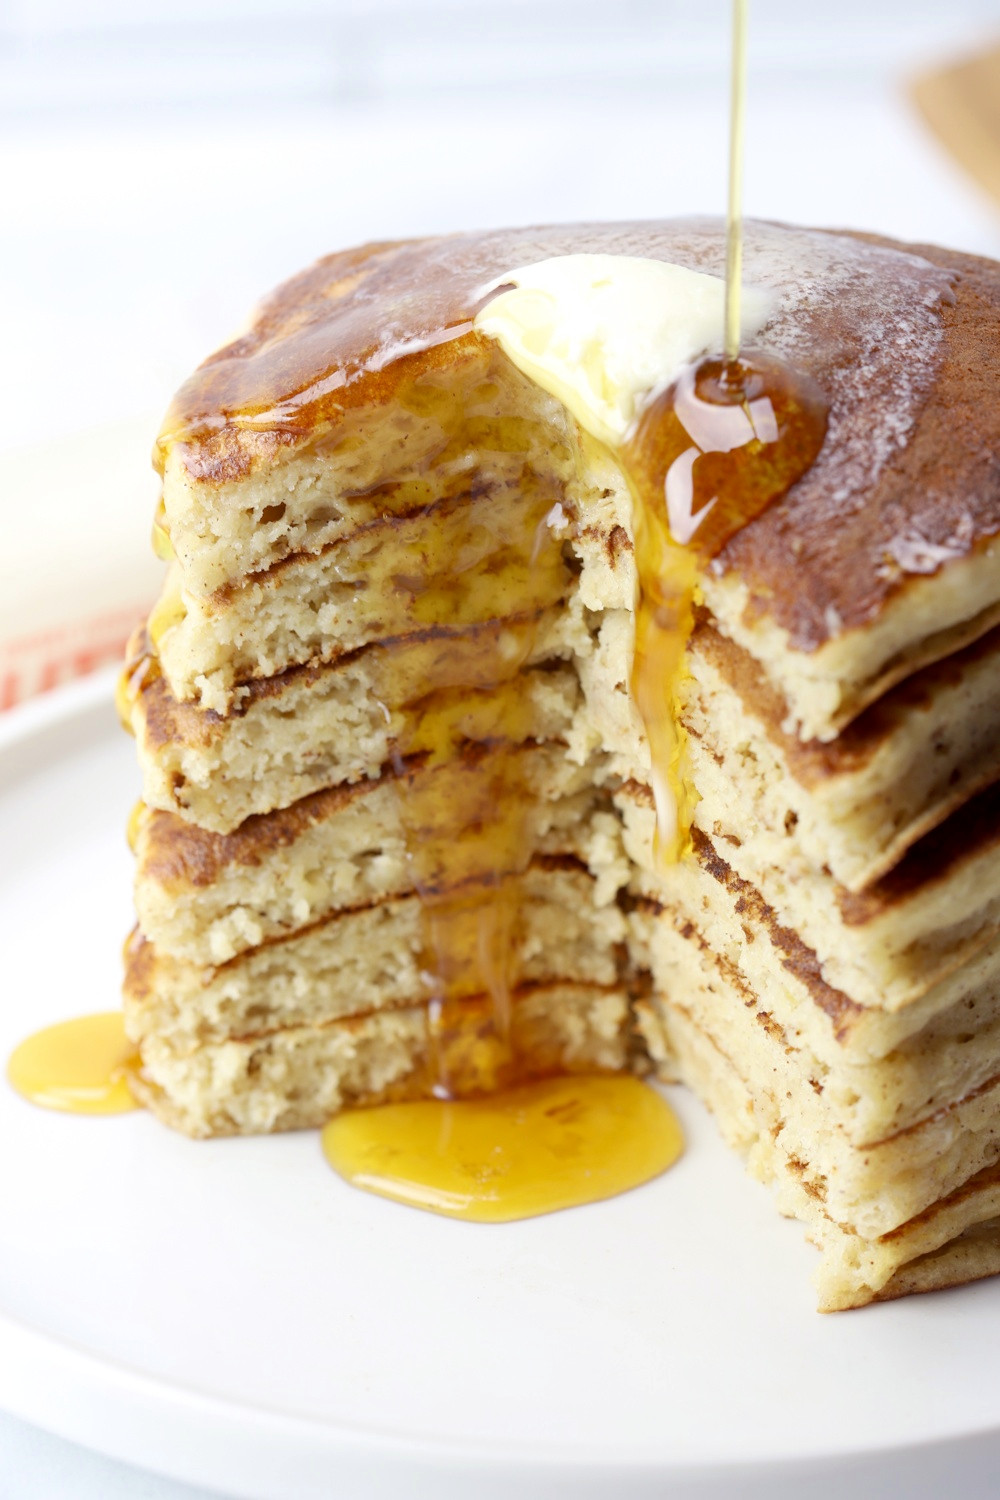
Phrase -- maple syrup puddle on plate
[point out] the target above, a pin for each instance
(80, 1066)
(529, 1150)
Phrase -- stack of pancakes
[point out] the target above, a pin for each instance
(385, 727)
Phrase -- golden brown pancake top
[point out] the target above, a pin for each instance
(904, 340)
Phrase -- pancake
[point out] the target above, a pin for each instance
(859, 802)
(888, 945)
(205, 897)
(390, 677)
(318, 726)
(300, 1076)
(363, 959)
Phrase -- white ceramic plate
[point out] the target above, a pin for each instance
(230, 1313)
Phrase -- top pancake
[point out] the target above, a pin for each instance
(903, 340)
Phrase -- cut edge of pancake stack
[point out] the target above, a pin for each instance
(404, 579)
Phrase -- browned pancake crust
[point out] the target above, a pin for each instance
(796, 956)
(934, 860)
(169, 720)
(175, 851)
(181, 852)
(817, 552)
(812, 762)
(346, 331)
(938, 857)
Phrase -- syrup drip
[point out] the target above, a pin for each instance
(168, 611)
(532, 1150)
(707, 455)
(136, 819)
(138, 672)
(464, 806)
(734, 205)
(476, 809)
(163, 547)
(80, 1066)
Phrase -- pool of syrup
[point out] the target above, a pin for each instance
(530, 1149)
(80, 1066)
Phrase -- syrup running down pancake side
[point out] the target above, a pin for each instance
(707, 455)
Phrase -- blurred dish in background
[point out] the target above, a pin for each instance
(961, 104)
(76, 570)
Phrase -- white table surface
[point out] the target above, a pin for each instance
(34, 1465)
(122, 264)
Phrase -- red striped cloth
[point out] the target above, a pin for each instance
(77, 571)
(35, 663)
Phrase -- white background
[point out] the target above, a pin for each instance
(161, 164)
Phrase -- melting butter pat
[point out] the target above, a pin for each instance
(601, 331)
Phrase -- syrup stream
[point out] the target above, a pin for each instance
(734, 206)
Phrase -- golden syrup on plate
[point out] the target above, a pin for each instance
(529, 1150)
(80, 1066)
